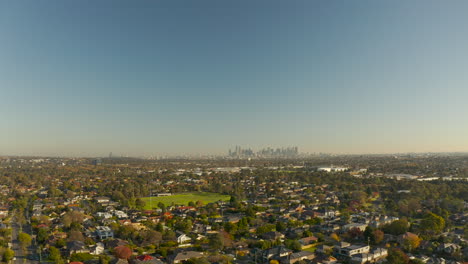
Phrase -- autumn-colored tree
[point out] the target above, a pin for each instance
(72, 217)
(226, 238)
(354, 233)
(123, 252)
(44, 219)
(151, 237)
(411, 241)
(335, 237)
(75, 235)
(378, 236)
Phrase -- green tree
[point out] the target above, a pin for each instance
(184, 225)
(8, 255)
(81, 257)
(162, 207)
(265, 228)
(280, 226)
(216, 242)
(375, 236)
(54, 255)
(416, 261)
(140, 204)
(230, 227)
(104, 259)
(25, 240)
(42, 235)
(293, 245)
(196, 261)
(432, 223)
(398, 227)
(396, 256)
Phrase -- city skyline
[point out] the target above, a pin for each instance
(83, 78)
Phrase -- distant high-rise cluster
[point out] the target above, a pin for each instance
(239, 152)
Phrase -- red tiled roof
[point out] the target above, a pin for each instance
(145, 257)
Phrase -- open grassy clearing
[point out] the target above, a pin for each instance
(185, 198)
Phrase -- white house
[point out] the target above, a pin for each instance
(183, 239)
(104, 215)
(332, 169)
(359, 226)
(97, 249)
(102, 199)
(373, 256)
(104, 232)
(120, 214)
(349, 250)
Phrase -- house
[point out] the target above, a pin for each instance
(346, 249)
(185, 255)
(380, 221)
(273, 235)
(359, 226)
(116, 243)
(323, 249)
(232, 218)
(120, 214)
(276, 253)
(298, 256)
(327, 260)
(104, 232)
(97, 249)
(308, 241)
(183, 239)
(104, 215)
(436, 261)
(201, 228)
(162, 194)
(293, 233)
(448, 248)
(76, 262)
(119, 261)
(76, 247)
(373, 256)
(102, 199)
(146, 259)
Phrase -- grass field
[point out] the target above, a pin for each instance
(185, 198)
(311, 249)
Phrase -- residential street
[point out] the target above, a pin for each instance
(20, 255)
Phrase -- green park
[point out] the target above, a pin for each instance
(184, 199)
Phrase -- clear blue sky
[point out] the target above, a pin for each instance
(85, 78)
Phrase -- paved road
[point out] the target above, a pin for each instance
(20, 255)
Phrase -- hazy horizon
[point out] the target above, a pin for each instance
(85, 78)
